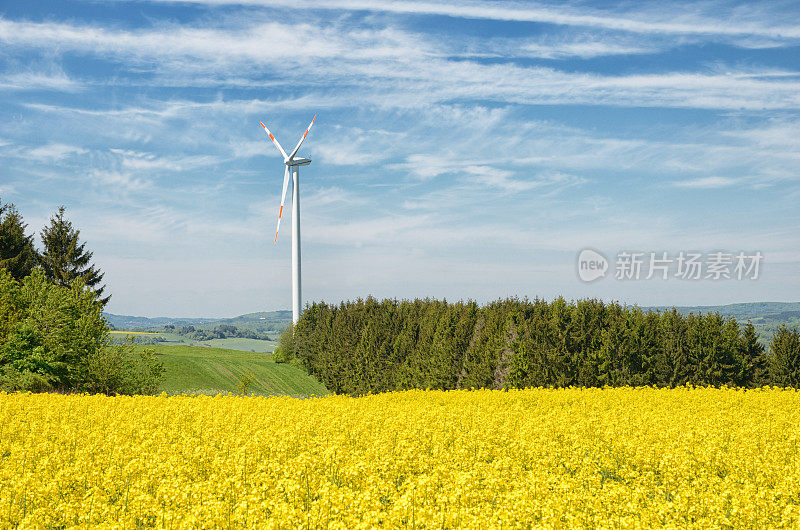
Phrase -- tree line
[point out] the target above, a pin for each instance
(366, 346)
(53, 336)
(221, 331)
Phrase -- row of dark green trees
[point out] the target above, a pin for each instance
(374, 346)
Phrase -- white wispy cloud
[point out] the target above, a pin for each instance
(382, 68)
(357, 146)
(267, 43)
(449, 138)
(707, 182)
(775, 134)
(585, 47)
(548, 182)
(684, 18)
(143, 161)
(18, 81)
(332, 196)
(120, 182)
(54, 152)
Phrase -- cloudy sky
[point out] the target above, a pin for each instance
(461, 150)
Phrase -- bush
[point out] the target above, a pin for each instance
(47, 333)
(122, 369)
(245, 381)
(284, 353)
(14, 380)
(55, 338)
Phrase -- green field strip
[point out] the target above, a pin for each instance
(197, 369)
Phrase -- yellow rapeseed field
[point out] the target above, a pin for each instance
(566, 458)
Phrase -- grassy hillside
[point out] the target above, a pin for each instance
(130, 322)
(202, 370)
(234, 343)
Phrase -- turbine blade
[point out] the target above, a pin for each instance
(291, 157)
(274, 141)
(283, 200)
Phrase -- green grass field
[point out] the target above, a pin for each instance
(203, 370)
(249, 345)
(173, 339)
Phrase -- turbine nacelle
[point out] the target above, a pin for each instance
(298, 162)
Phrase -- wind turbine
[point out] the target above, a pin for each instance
(292, 167)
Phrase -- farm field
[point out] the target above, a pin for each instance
(241, 344)
(173, 339)
(265, 321)
(572, 457)
(204, 370)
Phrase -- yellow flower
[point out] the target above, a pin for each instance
(634, 457)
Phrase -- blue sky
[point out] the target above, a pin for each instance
(461, 150)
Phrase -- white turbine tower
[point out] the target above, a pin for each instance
(292, 167)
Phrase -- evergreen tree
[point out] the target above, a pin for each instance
(729, 358)
(668, 369)
(648, 359)
(472, 372)
(785, 362)
(754, 358)
(17, 254)
(533, 366)
(558, 333)
(65, 259)
(589, 318)
(404, 344)
(505, 354)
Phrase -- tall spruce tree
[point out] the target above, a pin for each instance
(65, 259)
(785, 360)
(17, 254)
(754, 358)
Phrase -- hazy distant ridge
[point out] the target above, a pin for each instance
(276, 318)
(744, 310)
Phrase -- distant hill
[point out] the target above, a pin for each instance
(270, 321)
(766, 317)
(265, 321)
(749, 310)
(130, 322)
